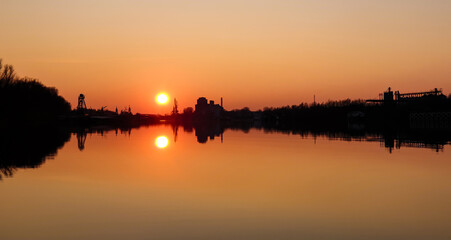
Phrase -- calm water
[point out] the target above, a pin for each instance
(253, 185)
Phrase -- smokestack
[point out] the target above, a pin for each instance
(221, 103)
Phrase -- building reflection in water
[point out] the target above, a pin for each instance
(390, 140)
(82, 133)
(205, 132)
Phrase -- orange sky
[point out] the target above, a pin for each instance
(252, 53)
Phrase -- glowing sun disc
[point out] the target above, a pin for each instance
(161, 142)
(162, 98)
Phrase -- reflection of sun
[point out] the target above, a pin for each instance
(161, 142)
(162, 98)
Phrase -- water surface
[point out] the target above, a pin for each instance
(250, 185)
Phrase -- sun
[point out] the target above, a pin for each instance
(161, 142)
(162, 98)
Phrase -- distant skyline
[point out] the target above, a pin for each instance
(251, 53)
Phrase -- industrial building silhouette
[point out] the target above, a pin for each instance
(205, 109)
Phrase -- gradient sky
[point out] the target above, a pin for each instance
(252, 53)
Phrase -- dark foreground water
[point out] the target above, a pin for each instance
(153, 184)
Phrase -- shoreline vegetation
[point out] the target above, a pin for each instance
(27, 102)
(35, 116)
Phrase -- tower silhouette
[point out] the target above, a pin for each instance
(81, 102)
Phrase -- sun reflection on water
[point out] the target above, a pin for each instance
(161, 142)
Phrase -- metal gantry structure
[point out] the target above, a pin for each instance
(416, 95)
(389, 96)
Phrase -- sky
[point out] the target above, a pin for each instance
(252, 53)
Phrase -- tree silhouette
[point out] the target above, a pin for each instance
(27, 101)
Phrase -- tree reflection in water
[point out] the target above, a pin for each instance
(30, 148)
